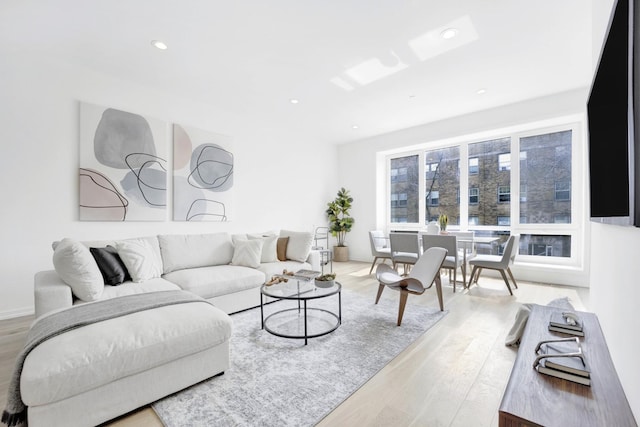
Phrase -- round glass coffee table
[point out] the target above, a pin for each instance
(303, 321)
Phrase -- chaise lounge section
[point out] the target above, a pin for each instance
(97, 372)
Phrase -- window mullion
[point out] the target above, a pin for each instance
(515, 184)
(464, 186)
(422, 211)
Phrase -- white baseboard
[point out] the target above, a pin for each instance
(18, 312)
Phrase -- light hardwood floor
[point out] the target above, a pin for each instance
(454, 375)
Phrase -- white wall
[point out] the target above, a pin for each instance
(615, 295)
(358, 168)
(39, 116)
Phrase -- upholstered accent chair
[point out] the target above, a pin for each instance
(423, 275)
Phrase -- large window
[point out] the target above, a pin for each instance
(547, 175)
(473, 184)
(489, 178)
(442, 181)
(403, 197)
(545, 245)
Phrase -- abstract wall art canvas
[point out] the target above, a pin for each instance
(202, 175)
(123, 166)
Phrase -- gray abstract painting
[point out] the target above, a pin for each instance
(203, 167)
(123, 166)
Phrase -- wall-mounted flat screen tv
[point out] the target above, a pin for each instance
(613, 120)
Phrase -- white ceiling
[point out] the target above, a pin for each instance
(378, 64)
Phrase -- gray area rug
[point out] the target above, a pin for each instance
(274, 381)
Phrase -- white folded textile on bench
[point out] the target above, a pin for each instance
(522, 316)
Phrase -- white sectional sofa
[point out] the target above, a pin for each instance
(94, 373)
(225, 269)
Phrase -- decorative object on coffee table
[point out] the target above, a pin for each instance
(340, 222)
(326, 280)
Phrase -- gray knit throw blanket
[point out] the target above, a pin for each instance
(15, 413)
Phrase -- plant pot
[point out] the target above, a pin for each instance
(340, 253)
(324, 283)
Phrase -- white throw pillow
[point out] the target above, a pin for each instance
(299, 245)
(235, 238)
(140, 258)
(77, 268)
(269, 246)
(247, 253)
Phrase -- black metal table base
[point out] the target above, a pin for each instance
(305, 311)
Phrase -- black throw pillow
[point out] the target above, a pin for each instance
(111, 266)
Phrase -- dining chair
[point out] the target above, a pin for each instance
(466, 247)
(423, 275)
(380, 248)
(405, 249)
(494, 262)
(453, 261)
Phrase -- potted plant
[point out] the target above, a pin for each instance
(443, 220)
(340, 222)
(326, 280)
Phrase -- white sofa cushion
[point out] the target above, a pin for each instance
(182, 251)
(77, 268)
(269, 246)
(299, 244)
(247, 253)
(141, 259)
(97, 354)
(209, 282)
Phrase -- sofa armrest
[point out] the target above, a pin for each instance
(314, 260)
(50, 293)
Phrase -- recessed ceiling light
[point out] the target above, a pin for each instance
(481, 91)
(158, 44)
(293, 101)
(355, 127)
(449, 33)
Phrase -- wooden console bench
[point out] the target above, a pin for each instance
(534, 399)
